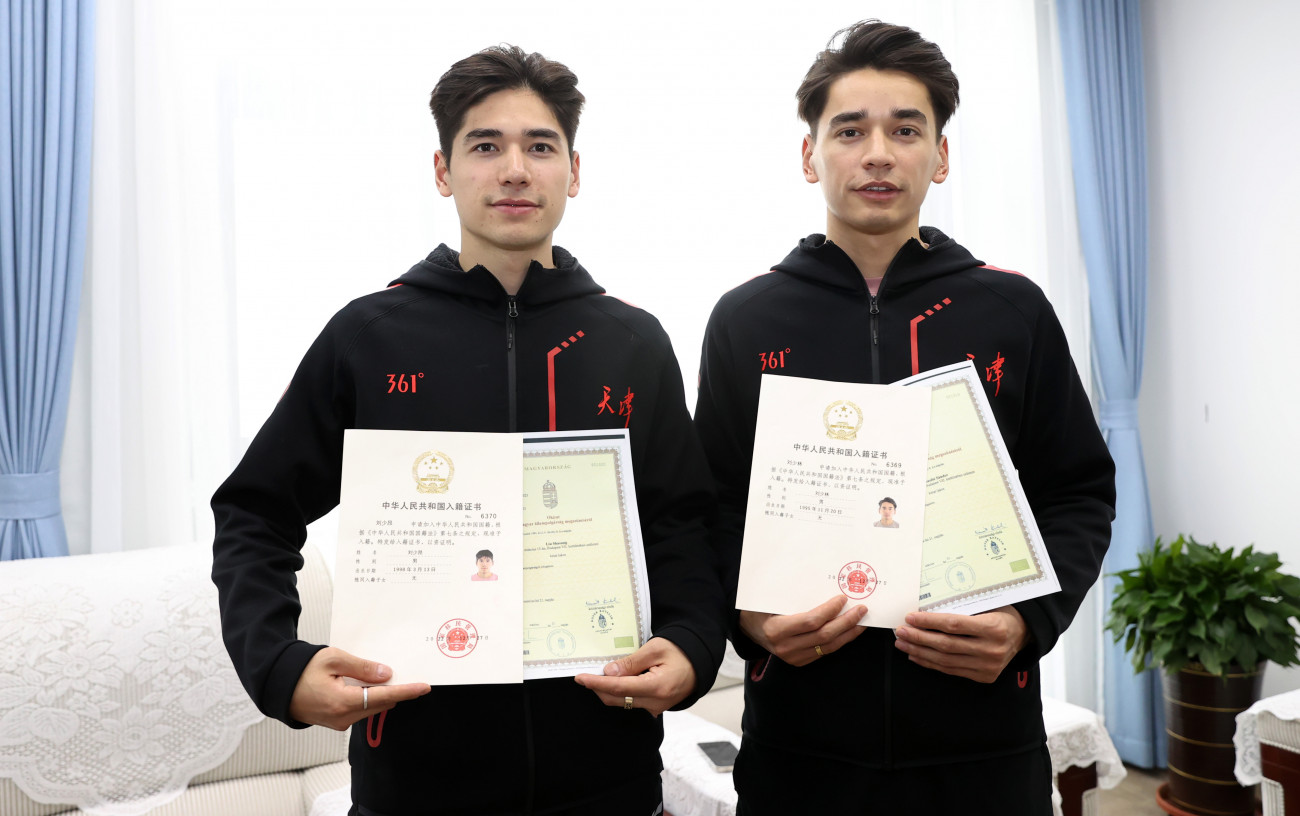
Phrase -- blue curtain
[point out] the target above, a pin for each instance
(1101, 47)
(46, 59)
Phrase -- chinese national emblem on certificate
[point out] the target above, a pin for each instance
(843, 420)
(432, 472)
(457, 638)
(857, 580)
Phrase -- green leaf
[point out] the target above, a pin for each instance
(1237, 590)
(1282, 609)
(1214, 659)
(1208, 604)
(1257, 618)
(1247, 655)
(1170, 616)
(1222, 630)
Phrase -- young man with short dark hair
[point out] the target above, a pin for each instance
(519, 338)
(886, 507)
(943, 715)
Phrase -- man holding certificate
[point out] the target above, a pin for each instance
(508, 335)
(940, 714)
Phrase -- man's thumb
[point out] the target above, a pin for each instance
(631, 665)
(367, 671)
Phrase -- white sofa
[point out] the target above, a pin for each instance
(117, 696)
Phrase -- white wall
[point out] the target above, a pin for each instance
(1218, 404)
(691, 178)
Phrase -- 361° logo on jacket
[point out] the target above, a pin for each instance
(772, 360)
(404, 383)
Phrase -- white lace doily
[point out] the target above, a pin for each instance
(337, 802)
(115, 687)
(1075, 737)
(1246, 739)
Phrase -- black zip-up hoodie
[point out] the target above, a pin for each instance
(813, 316)
(560, 355)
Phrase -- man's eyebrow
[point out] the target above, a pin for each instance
(847, 117)
(494, 133)
(482, 133)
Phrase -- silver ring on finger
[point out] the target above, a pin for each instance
(365, 697)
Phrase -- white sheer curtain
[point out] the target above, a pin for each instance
(153, 405)
(258, 165)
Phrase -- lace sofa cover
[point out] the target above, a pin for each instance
(116, 691)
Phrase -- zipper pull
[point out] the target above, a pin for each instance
(875, 307)
(875, 313)
(513, 311)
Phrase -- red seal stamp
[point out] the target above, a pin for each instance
(457, 638)
(857, 580)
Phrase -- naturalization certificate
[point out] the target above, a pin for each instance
(429, 576)
(836, 497)
(586, 598)
(982, 547)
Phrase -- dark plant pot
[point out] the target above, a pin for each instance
(1200, 718)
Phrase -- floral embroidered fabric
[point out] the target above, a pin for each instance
(1285, 707)
(115, 687)
(1075, 737)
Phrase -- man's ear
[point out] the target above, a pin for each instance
(573, 171)
(941, 172)
(809, 172)
(440, 171)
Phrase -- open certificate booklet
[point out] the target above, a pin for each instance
(982, 547)
(444, 574)
(836, 495)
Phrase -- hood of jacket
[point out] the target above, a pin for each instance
(441, 271)
(821, 261)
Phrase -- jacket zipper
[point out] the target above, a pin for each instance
(875, 339)
(512, 312)
(889, 664)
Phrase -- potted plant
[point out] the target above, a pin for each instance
(1209, 618)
